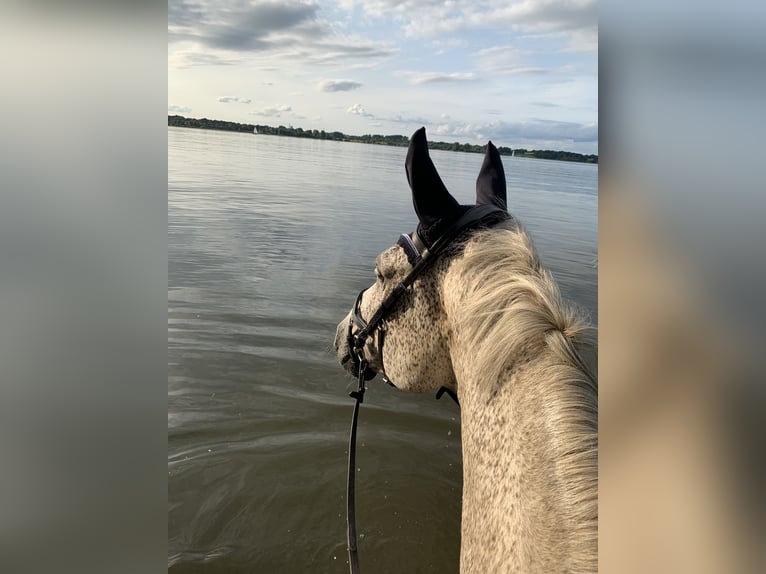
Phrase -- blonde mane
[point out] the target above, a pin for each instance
(515, 311)
(517, 325)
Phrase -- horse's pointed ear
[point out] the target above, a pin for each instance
(490, 185)
(432, 201)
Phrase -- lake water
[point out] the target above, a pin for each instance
(269, 241)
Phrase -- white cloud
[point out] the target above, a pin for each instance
(179, 109)
(433, 17)
(545, 15)
(550, 132)
(183, 59)
(239, 99)
(338, 85)
(507, 60)
(410, 120)
(585, 41)
(272, 111)
(358, 110)
(342, 49)
(416, 78)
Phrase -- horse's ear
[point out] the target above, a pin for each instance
(490, 185)
(432, 201)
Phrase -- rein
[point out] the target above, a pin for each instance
(353, 556)
(420, 256)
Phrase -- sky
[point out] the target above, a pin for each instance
(522, 73)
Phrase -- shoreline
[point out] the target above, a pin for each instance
(376, 139)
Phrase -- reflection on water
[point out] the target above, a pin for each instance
(269, 240)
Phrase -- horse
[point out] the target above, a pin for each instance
(485, 321)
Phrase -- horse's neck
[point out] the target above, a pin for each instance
(510, 500)
(519, 510)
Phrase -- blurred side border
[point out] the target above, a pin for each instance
(681, 279)
(83, 287)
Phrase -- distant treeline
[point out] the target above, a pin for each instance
(403, 141)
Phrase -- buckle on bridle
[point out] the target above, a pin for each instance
(358, 394)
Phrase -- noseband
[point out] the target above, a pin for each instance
(420, 255)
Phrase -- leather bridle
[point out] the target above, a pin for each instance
(420, 255)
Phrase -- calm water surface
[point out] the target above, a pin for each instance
(269, 241)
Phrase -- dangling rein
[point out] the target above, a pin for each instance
(358, 395)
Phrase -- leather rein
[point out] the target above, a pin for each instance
(420, 256)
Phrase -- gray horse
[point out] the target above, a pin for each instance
(487, 322)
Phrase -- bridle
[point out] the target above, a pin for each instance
(420, 255)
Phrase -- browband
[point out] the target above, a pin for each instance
(410, 249)
(419, 256)
(417, 250)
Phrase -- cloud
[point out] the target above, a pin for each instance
(292, 30)
(240, 26)
(352, 47)
(183, 13)
(274, 111)
(521, 133)
(416, 78)
(358, 110)
(241, 100)
(179, 110)
(547, 15)
(507, 60)
(400, 119)
(338, 85)
(433, 17)
(583, 41)
(186, 59)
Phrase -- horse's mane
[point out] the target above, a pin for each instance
(517, 324)
(515, 311)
